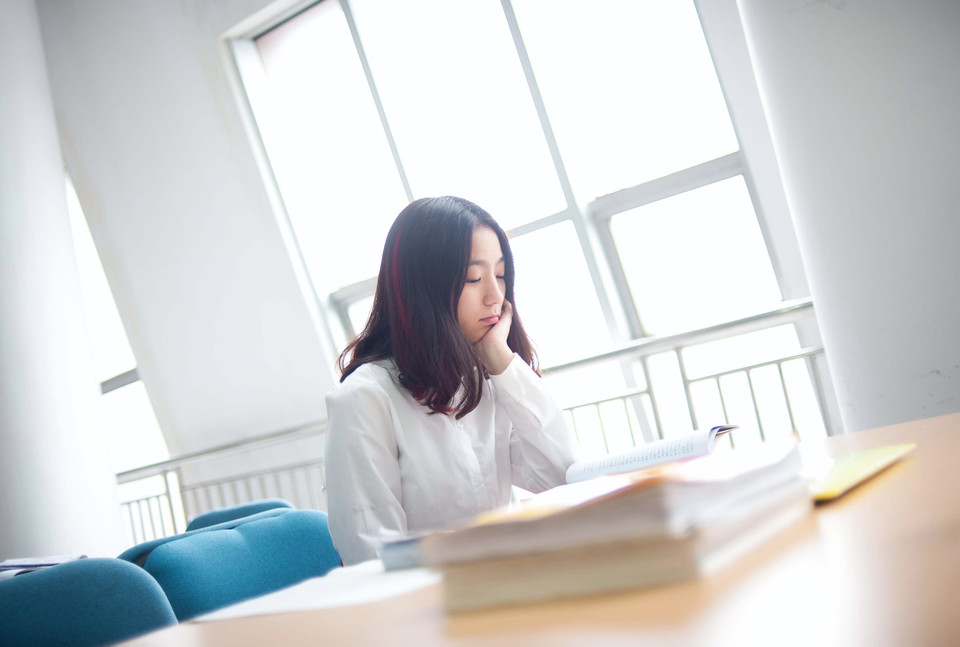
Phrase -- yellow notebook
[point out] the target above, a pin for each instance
(850, 470)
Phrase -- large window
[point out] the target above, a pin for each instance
(597, 133)
(133, 435)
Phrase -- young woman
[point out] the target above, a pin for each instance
(439, 409)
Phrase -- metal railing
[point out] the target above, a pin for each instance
(780, 394)
(163, 496)
(159, 499)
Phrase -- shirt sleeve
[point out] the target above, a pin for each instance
(542, 446)
(364, 496)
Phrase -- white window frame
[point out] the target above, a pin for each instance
(754, 161)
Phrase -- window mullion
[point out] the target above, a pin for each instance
(538, 101)
(573, 209)
(119, 381)
(601, 210)
(619, 279)
(388, 133)
(342, 299)
(553, 219)
(605, 207)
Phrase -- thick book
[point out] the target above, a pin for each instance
(668, 501)
(627, 562)
(699, 443)
(406, 551)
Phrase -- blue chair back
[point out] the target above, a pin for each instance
(85, 603)
(205, 569)
(213, 517)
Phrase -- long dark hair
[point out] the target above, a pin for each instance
(414, 317)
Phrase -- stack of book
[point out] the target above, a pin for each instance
(671, 522)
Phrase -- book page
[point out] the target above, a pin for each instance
(655, 453)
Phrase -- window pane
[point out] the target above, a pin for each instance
(803, 400)
(696, 259)
(666, 382)
(555, 295)
(112, 354)
(739, 351)
(327, 146)
(459, 106)
(629, 87)
(359, 312)
(132, 430)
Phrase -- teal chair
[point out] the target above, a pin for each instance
(86, 603)
(220, 515)
(205, 569)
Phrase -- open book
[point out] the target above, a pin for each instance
(699, 443)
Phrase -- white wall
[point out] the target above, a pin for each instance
(57, 493)
(225, 340)
(863, 99)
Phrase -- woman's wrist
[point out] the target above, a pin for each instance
(497, 358)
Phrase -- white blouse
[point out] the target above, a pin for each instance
(391, 468)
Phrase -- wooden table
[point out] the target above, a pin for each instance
(880, 566)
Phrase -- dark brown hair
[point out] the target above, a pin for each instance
(414, 316)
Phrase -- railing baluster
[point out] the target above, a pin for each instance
(726, 414)
(626, 412)
(653, 399)
(160, 518)
(179, 522)
(143, 525)
(686, 388)
(263, 486)
(166, 491)
(573, 423)
(208, 499)
(154, 506)
(312, 491)
(189, 512)
(603, 430)
(786, 397)
(130, 523)
(295, 483)
(756, 408)
(137, 521)
(818, 392)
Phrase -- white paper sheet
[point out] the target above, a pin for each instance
(358, 584)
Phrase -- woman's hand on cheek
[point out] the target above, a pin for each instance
(492, 347)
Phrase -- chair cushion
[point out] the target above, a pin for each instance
(84, 603)
(203, 571)
(220, 515)
(139, 553)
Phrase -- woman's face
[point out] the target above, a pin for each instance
(479, 307)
